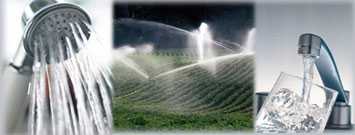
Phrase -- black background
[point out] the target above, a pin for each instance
(229, 22)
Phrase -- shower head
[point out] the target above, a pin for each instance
(48, 23)
(52, 28)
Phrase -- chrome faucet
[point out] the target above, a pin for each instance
(314, 46)
(311, 45)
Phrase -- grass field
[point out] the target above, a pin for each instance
(195, 98)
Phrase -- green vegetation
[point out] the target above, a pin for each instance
(202, 97)
(141, 119)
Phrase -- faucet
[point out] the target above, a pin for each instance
(41, 18)
(314, 46)
(311, 45)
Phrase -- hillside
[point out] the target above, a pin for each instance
(201, 97)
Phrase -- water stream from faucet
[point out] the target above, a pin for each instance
(308, 71)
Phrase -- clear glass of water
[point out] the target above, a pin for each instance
(285, 110)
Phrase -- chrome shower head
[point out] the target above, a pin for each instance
(48, 23)
(53, 27)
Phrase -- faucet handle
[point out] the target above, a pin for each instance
(309, 45)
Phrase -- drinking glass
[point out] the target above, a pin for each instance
(286, 111)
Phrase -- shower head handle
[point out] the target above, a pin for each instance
(22, 62)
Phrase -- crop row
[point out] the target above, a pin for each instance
(196, 89)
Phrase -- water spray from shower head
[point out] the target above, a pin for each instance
(47, 25)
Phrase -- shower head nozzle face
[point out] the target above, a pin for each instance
(50, 28)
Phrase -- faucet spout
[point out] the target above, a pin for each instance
(311, 45)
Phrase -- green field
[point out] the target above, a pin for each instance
(196, 98)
